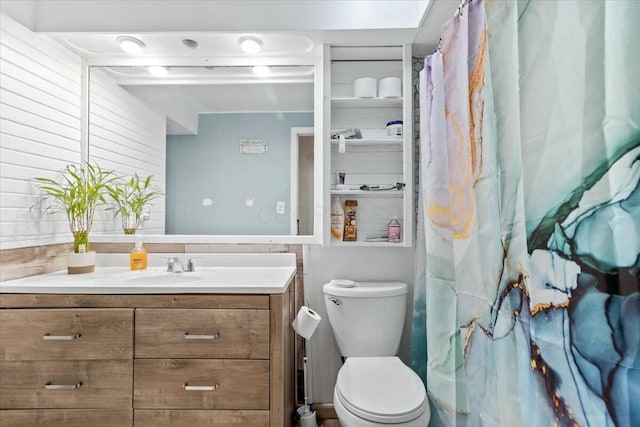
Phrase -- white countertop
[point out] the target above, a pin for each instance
(215, 274)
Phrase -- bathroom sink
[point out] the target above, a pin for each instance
(214, 276)
(161, 278)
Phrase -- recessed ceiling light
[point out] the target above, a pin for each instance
(261, 70)
(250, 44)
(190, 43)
(131, 45)
(158, 71)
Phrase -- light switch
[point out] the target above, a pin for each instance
(280, 208)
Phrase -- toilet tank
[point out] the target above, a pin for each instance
(367, 319)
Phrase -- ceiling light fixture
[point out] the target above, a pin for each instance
(131, 45)
(190, 43)
(250, 44)
(158, 71)
(261, 70)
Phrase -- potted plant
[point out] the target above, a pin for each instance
(78, 193)
(130, 198)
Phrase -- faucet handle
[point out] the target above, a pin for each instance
(171, 264)
(191, 266)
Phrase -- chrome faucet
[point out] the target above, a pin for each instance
(175, 265)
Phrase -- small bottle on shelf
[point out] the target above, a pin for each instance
(350, 230)
(394, 230)
(337, 219)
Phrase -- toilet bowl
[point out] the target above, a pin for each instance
(373, 388)
(379, 391)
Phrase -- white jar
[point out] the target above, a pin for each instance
(394, 129)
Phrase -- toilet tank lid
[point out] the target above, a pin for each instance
(367, 289)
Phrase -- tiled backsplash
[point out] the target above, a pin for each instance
(23, 262)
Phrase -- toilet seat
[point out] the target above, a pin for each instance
(381, 389)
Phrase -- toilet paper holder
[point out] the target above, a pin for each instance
(305, 324)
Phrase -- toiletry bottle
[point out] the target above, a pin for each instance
(337, 219)
(138, 257)
(350, 231)
(394, 230)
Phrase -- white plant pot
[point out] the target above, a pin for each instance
(80, 263)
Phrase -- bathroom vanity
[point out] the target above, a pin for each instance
(114, 349)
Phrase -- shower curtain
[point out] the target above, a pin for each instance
(527, 295)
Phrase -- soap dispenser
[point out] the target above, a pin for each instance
(138, 257)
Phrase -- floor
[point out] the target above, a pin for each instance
(329, 423)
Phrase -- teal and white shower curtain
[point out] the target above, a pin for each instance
(527, 295)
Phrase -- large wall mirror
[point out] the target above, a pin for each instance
(236, 152)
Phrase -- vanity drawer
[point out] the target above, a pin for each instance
(201, 384)
(66, 384)
(210, 418)
(66, 334)
(66, 418)
(202, 333)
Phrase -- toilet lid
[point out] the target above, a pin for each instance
(381, 389)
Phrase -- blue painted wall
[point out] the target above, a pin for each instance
(210, 165)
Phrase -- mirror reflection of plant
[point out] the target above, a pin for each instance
(131, 197)
(78, 193)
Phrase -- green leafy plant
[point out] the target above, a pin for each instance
(78, 193)
(130, 198)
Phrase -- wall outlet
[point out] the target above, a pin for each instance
(280, 208)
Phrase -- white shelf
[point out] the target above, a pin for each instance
(368, 193)
(366, 102)
(376, 157)
(369, 144)
(362, 141)
(360, 243)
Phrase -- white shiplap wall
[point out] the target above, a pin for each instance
(40, 100)
(129, 137)
(40, 119)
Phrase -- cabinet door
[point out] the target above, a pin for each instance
(210, 418)
(66, 334)
(66, 418)
(65, 383)
(218, 333)
(201, 384)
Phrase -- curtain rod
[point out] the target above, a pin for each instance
(461, 6)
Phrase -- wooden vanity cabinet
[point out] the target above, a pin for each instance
(146, 360)
(65, 366)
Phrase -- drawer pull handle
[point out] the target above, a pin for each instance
(49, 386)
(188, 387)
(48, 337)
(188, 336)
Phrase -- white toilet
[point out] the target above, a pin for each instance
(374, 388)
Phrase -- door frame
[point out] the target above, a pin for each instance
(296, 133)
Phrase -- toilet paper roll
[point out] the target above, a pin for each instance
(306, 322)
(365, 87)
(390, 87)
